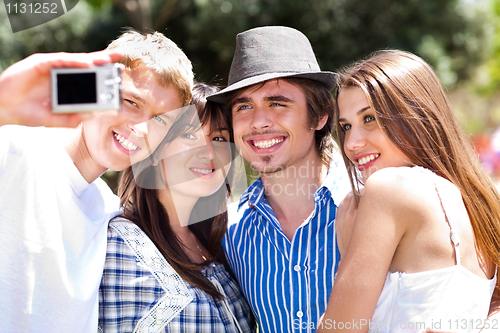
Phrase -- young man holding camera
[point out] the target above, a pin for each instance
(281, 246)
(54, 208)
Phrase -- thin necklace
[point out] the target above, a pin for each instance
(201, 252)
(199, 249)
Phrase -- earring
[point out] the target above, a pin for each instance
(154, 162)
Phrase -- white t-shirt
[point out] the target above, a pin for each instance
(53, 228)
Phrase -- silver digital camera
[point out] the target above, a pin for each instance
(85, 89)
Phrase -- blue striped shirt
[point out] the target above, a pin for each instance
(287, 284)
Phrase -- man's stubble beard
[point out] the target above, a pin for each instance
(268, 169)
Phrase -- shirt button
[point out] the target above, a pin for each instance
(299, 314)
(296, 268)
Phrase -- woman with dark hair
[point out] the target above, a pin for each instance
(420, 242)
(165, 268)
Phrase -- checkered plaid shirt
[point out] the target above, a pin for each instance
(141, 292)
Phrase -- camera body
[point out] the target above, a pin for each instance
(85, 89)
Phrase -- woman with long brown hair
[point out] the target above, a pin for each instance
(420, 241)
(165, 268)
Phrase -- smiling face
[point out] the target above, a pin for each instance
(196, 162)
(113, 137)
(270, 124)
(365, 144)
(150, 134)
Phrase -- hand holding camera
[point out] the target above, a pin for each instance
(25, 88)
(85, 89)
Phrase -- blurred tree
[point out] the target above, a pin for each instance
(450, 34)
(62, 34)
(493, 82)
(146, 14)
(446, 32)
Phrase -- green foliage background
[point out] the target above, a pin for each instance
(460, 38)
(450, 34)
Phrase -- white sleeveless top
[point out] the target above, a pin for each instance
(449, 299)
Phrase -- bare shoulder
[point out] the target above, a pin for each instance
(401, 187)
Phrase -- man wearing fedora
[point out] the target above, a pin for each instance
(281, 242)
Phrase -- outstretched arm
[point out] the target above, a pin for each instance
(25, 88)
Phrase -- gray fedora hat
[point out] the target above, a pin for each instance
(272, 52)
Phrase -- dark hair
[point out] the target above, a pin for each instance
(319, 103)
(142, 206)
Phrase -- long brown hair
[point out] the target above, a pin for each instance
(142, 206)
(412, 109)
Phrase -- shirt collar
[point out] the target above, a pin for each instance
(336, 182)
(253, 194)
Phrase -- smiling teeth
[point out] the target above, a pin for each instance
(125, 143)
(203, 171)
(268, 143)
(367, 159)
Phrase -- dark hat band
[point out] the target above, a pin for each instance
(326, 78)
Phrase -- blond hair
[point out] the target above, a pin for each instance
(413, 111)
(159, 54)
